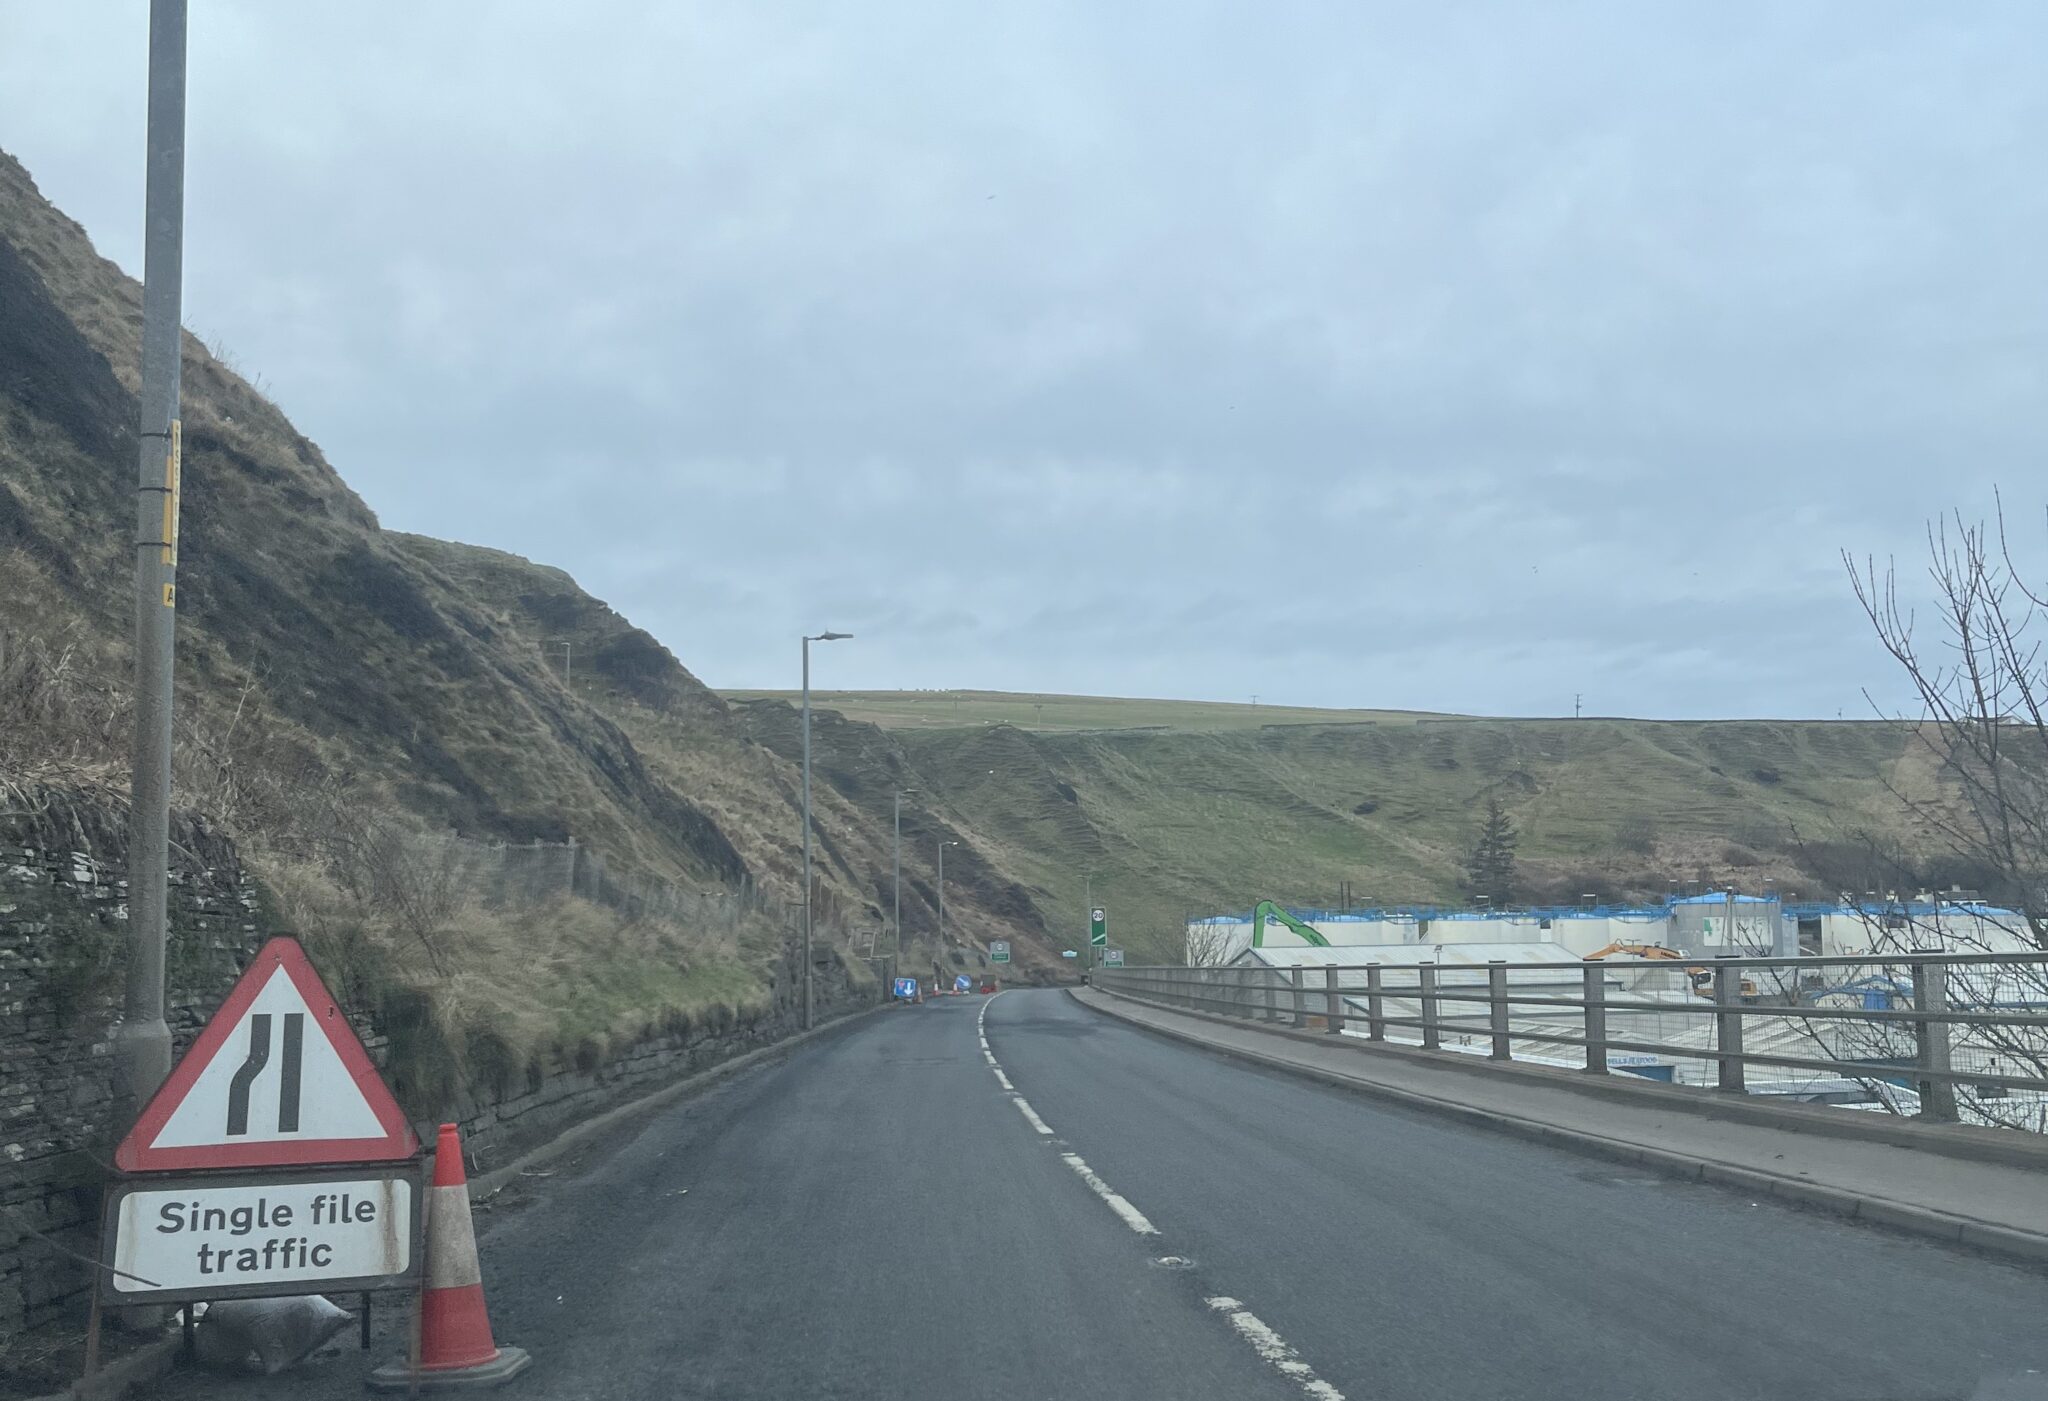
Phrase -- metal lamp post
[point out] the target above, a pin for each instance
(896, 949)
(142, 1044)
(942, 891)
(826, 636)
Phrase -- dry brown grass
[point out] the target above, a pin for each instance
(62, 719)
(493, 986)
(478, 991)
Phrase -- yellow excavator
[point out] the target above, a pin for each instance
(1634, 951)
(1701, 978)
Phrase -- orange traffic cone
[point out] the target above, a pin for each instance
(456, 1349)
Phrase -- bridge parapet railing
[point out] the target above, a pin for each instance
(1938, 1035)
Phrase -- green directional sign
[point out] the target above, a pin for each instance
(1098, 928)
(999, 951)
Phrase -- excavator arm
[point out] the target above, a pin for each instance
(1266, 910)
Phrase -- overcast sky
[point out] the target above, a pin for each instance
(1444, 355)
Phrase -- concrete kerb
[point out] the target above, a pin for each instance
(153, 1361)
(1916, 1220)
(1970, 1142)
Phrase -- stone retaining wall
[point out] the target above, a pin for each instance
(63, 938)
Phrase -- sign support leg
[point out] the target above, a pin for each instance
(92, 1335)
(366, 1323)
(412, 1348)
(190, 1341)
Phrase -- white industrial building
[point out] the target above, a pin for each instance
(1556, 943)
(1718, 923)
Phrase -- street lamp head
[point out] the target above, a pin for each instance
(830, 636)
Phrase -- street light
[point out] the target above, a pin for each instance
(897, 949)
(142, 1042)
(826, 636)
(942, 892)
(1088, 915)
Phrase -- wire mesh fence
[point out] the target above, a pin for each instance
(501, 874)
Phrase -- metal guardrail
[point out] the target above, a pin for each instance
(1979, 1007)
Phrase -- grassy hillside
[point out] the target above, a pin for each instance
(1172, 821)
(945, 710)
(293, 605)
(727, 758)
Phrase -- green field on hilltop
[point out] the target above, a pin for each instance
(945, 710)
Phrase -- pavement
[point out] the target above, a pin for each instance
(1086, 1209)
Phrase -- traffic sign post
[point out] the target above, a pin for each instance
(999, 951)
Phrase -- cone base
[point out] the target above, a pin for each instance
(399, 1375)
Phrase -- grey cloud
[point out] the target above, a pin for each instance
(1462, 357)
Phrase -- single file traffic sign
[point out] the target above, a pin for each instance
(277, 1078)
(241, 1235)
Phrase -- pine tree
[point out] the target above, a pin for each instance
(1490, 869)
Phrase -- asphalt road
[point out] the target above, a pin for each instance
(874, 1216)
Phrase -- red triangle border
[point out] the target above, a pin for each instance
(135, 1155)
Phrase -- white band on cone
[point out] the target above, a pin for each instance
(451, 1240)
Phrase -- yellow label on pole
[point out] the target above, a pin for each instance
(170, 595)
(173, 470)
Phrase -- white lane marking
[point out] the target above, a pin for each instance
(1031, 1115)
(1273, 1349)
(1129, 1214)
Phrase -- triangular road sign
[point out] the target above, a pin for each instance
(277, 1077)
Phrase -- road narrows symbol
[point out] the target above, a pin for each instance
(289, 1070)
(238, 1088)
(288, 1087)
